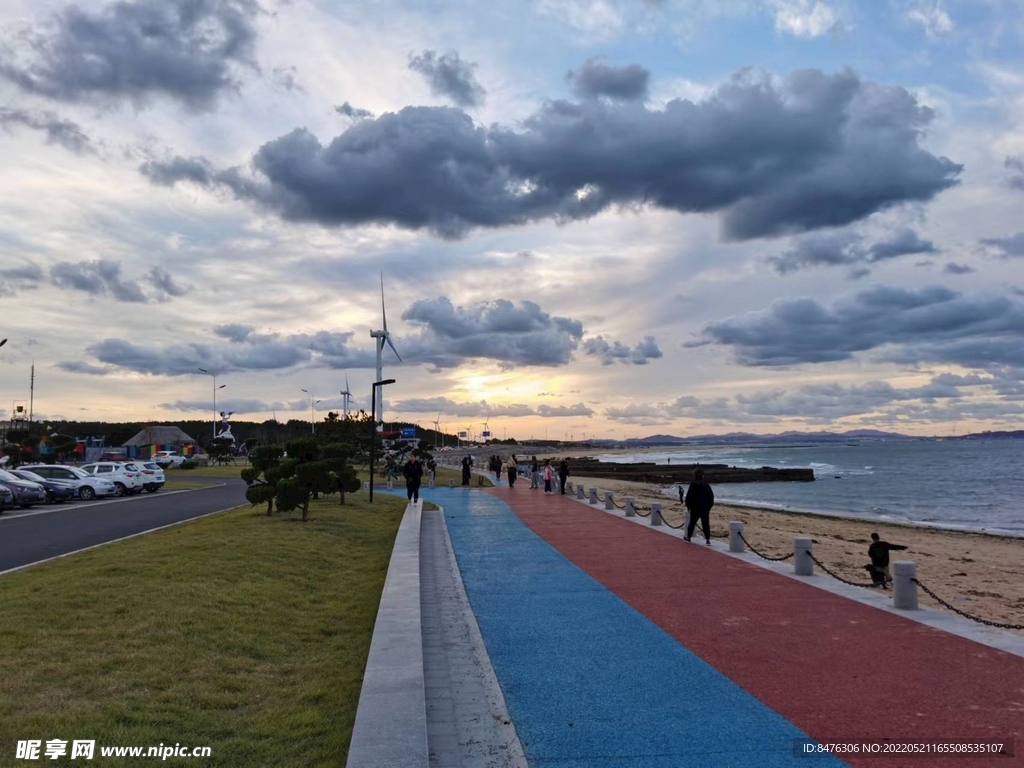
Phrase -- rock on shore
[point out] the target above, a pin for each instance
(668, 474)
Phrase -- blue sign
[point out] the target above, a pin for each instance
(409, 432)
(487, 434)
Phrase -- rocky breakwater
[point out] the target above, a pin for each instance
(671, 474)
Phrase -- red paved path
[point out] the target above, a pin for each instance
(837, 669)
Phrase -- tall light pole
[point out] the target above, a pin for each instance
(373, 432)
(215, 388)
(312, 412)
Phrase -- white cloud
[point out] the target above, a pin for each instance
(806, 18)
(933, 18)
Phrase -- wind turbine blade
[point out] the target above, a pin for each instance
(388, 337)
(383, 314)
(347, 388)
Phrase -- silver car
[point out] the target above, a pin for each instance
(89, 486)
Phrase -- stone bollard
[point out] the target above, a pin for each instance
(579, 492)
(904, 590)
(569, 486)
(686, 519)
(593, 495)
(366, 486)
(655, 513)
(451, 483)
(735, 542)
(630, 509)
(430, 483)
(390, 485)
(608, 502)
(802, 563)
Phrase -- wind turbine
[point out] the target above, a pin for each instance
(346, 395)
(487, 432)
(382, 337)
(437, 429)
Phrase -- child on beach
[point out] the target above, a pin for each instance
(547, 475)
(879, 551)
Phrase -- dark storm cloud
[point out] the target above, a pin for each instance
(98, 278)
(167, 173)
(931, 324)
(1007, 247)
(952, 268)
(496, 330)
(449, 76)
(644, 351)
(182, 49)
(235, 332)
(809, 152)
(595, 78)
(846, 248)
(1015, 165)
(58, 130)
(355, 113)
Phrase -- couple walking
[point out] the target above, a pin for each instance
(548, 474)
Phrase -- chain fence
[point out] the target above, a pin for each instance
(836, 576)
(954, 609)
(762, 555)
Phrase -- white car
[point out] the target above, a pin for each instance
(165, 458)
(126, 476)
(153, 475)
(89, 486)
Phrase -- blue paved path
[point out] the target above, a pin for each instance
(588, 680)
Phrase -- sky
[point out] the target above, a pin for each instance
(593, 218)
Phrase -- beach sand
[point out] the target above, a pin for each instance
(980, 574)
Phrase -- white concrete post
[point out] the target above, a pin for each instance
(735, 542)
(579, 492)
(451, 483)
(802, 563)
(904, 590)
(390, 484)
(430, 483)
(686, 519)
(608, 503)
(630, 509)
(655, 513)
(366, 486)
(593, 495)
(570, 487)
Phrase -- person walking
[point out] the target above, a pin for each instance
(563, 474)
(496, 463)
(879, 551)
(466, 464)
(513, 469)
(699, 500)
(391, 467)
(432, 469)
(548, 474)
(413, 472)
(534, 472)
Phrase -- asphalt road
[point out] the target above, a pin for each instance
(48, 531)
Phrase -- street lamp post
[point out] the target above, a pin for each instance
(312, 412)
(373, 432)
(215, 388)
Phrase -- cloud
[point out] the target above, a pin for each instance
(449, 76)
(165, 284)
(559, 411)
(464, 410)
(235, 332)
(237, 406)
(952, 268)
(185, 50)
(932, 18)
(929, 324)
(98, 278)
(58, 130)
(167, 173)
(79, 366)
(1015, 165)
(846, 248)
(1007, 247)
(644, 351)
(285, 79)
(25, 277)
(496, 330)
(805, 18)
(595, 79)
(775, 157)
(355, 113)
(596, 20)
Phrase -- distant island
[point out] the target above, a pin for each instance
(748, 438)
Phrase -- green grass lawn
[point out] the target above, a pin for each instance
(239, 632)
(444, 474)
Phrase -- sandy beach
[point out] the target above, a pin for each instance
(981, 574)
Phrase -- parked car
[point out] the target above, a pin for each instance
(25, 493)
(152, 475)
(6, 498)
(57, 491)
(166, 458)
(89, 486)
(125, 476)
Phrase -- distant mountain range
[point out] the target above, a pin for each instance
(806, 437)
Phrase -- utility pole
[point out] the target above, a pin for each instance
(31, 395)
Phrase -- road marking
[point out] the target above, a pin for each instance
(123, 538)
(91, 505)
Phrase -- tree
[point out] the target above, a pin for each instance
(15, 454)
(303, 474)
(62, 445)
(345, 477)
(263, 476)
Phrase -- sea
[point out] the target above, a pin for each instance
(956, 484)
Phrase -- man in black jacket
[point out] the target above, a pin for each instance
(699, 500)
(879, 554)
(413, 472)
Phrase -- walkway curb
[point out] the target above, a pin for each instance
(391, 722)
